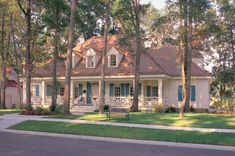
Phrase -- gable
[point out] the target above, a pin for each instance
(90, 52)
(113, 51)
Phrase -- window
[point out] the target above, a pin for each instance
(61, 91)
(90, 61)
(113, 61)
(131, 91)
(49, 90)
(152, 91)
(35, 90)
(192, 92)
(117, 91)
(78, 91)
(125, 87)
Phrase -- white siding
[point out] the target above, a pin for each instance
(170, 96)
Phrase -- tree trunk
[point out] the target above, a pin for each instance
(189, 58)
(102, 88)
(28, 59)
(134, 106)
(66, 108)
(28, 66)
(54, 77)
(55, 57)
(3, 64)
(18, 70)
(184, 63)
(4, 75)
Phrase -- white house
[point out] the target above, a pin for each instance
(160, 79)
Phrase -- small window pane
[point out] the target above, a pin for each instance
(61, 93)
(117, 91)
(131, 91)
(113, 61)
(90, 61)
(154, 91)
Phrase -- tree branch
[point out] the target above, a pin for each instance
(21, 7)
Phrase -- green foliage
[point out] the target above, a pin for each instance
(224, 104)
(106, 108)
(223, 84)
(39, 109)
(170, 109)
(58, 109)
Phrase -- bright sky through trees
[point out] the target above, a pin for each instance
(159, 4)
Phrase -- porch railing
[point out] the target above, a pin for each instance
(127, 101)
(124, 101)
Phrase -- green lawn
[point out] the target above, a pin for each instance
(128, 132)
(203, 120)
(9, 111)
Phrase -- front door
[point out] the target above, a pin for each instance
(88, 93)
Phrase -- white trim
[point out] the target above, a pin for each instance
(130, 77)
(194, 77)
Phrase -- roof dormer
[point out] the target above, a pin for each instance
(114, 57)
(92, 58)
(75, 59)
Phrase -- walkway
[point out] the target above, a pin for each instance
(11, 119)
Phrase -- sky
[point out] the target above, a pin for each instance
(159, 4)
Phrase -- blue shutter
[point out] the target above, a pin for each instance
(111, 89)
(123, 90)
(180, 93)
(127, 89)
(37, 90)
(148, 91)
(88, 92)
(79, 89)
(193, 93)
(139, 89)
(48, 90)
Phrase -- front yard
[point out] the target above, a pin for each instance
(202, 120)
(9, 111)
(128, 132)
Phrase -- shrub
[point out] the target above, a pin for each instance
(96, 110)
(158, 108)
(39, 110)
(224, 104)
(192, 109)
(28, 112)
(106, 108)
(46, 112)
(170, 109)
(58, 109)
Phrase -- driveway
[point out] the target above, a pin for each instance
(33, 145)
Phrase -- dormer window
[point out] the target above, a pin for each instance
(114, 57)
(90, 62)
(113, 60)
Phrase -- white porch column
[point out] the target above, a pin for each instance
(43, 92)
(24, 92)
(142, 92)
(160, 90)
(71, 92)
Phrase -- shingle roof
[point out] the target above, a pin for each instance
(154, 61)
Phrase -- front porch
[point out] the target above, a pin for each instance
(118, 93)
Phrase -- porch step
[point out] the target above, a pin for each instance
(82, 109)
